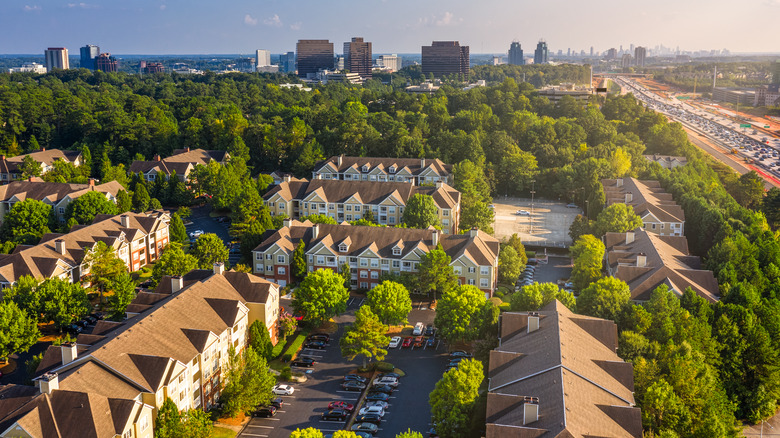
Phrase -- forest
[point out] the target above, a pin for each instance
(700, 368)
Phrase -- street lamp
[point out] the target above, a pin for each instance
(587, 215)
(533, 186)
(762, 427)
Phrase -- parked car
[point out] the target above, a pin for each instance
(369, 418)
(431, 342)
(322, 337)
(83, 323)
(571, 205)
(352, 385)
(523, 213)
(91, 320)
(376, 410)
(395, 341)
(418, 341)
(265, 412)
(382, 388)
(283, 390)
(355, 377)
(73, 329)
(278, 402)
(390, 381)
(335, 415)
(304, 362)
(394, 375)
(429, 330)
(407, 342)
(382, 404)
(365, 427)
(341, 405)
(418, 329)
(317, 345)
(459, 353)
(374, 396)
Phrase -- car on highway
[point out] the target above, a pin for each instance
(407, 342)
(365, 427)
(283, 390)
(352, 385)
(265, 412)
(349, 407)
(335, 415)
(369, 418)
(395, 341)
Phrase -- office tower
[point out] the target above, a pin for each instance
(632, 48)
(56, 57)
(591, 50)
(776, 73)
(287, 62)
(390, 62)
(262, 58)
(445, 58)
(357, 57)
(313, 56)
(88, 55)
(612, 53)
(106, 63)
(639, 56)
(339, 64)
(568, 52)
(516, 54)
(540, 54)
(625, 61)
(151, 67)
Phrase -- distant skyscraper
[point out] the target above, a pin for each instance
(358, 58)
(516, 54)
(56, 57)
(568, 52)
(540, 54)
(444, 58)
(612, 53)
(88, 55)
(262, 58)
(246, 65)
(776, 73)
(151, 67)
(106, 63)
(625, 61)
(390, 62)
(313, 56)
(287, 62)
(591, 50)
(640, 53)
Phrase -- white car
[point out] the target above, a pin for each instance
(373, 410)
(196, 233)
(418, 329)
(283, 390)
(379, 403)
(389, 381)
(395, 341)
(523, 213)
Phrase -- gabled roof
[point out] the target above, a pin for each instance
(51, 192)
(647, 197)
(182, 161)
(413, 165)
(47, 157)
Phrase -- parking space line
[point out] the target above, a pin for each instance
(252, 434)
(257, 425)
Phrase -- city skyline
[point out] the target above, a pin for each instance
(242, 26)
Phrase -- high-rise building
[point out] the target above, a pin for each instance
(88, 55)
(591, 50)
(390, 62)
(625, 61)
(357, 57)
(640, 53)
(106, 63)
(313, 56)
(262, 58)
(612, 53)
(287, 62)
(445, 58)
(776, 73)
(56, 57)
(151, 67)
(516, 54)
(540, 54)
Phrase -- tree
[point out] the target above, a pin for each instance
(453, 398)
(319, 219)
(476, 214)
(390, 301)
(771, 206)
(62, 302)
(587, 252)
(123, 202)
(604, 298)
(29, 167)
(459, 313)
(103, 266)
(178, 231)
(538, 295)
(365, 337)
(209, 249)
(579, 227)
(155, 204)
(420, 211)
(84, 208)
(123, 293)
(309, 432)
(287, 325)
(749, 190)
(298, 265)
(26, 222)
(516, 243)
(320, 296)
(260, 340)
(435, 273)
(18, 330)
(168, 423)
(248, 382)
(409, 434)
(617, 218)
(509, 265)
(173, 261)
(141, 198)
(197, 424)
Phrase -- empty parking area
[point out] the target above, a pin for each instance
(546, 223)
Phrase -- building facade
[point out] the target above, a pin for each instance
(10, 167)
(182, 162)
(540, 54)
(56, 57)
(88, 54)
(640, 53)
(516, 54)
(56, 195)
(313, 56)
(416, 171)
(391, 63)
(262, 58)
(287, 62)
(106, 63)
(358, 58)
(445, 58)
(32, 67)
(657, 209)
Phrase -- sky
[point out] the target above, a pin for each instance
(393, 26)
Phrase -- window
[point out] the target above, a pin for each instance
(306, 205)
(653, 226)
(349, 217)
(281, 205)
(365, 168)
(270, 204)
(357, 208)
(471, 281)
(363, 274)
(445, 212)
(128, 433)
(445, 222)
(258, 256)
(484, 270)
(320, 260)
(282, 271)
(392, 219)
(472, 269)
(457, 270)
(144, 423)
(484, 283)
(374, 275)
(374, 263)
(363, 262)
(331, 206)
(269, 257)
(392, 169)
(280, 259)
(62, 209)
(269, 268)
(391, 210)
(363, 285)
(396, 263)
(349, 207)
(342, 248)
(353, 260)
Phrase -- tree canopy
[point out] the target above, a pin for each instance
(365, 337)
(320, 296)
(420, 211)
(390, 301)
(26, 222)
(84, 208)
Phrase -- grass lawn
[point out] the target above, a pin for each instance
(222, 432)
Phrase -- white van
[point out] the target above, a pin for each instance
(418, 329)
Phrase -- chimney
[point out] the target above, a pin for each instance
(439, 184)
(187, 149)
(533, 322)
(641, 260)
(59, 246)
(69, 352)
(156, 157)
(629, 197)
(315, 231)
(287, 222)
(43, 149)
(219, 268)
(125, 219)
(49, 382)
(473, 232)
(435, 237)
(630, 237)
(340, 159)
(30, 178)
(2, 157)
(177, 283)
(530, 410)
(286, 178)
(92, 182)
(619, 182)
(422, 162)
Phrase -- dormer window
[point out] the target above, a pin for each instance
(342, 248)
(392, 169)
(365, 168)
(396, 251)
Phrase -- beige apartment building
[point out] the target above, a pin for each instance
(659, 213)
(56, 195)
(10, 167)
(417, 171)
(182, 162)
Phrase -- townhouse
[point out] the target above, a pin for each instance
(10, 167)
(373, 251)
(418, 171)
(557, 374)
(56, 195)
(667, 161)
(349, 200)
(182, 161)
(646, 261)
(174, 344)
(137, 239)
(660, 214)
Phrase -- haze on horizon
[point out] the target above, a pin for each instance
(394, 26)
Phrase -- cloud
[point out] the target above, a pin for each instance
(273, 21)
(775, 3)
(34, 8)
(296, 26)
(249, 20)
(448, 19)
(162, 7)
(82, 5)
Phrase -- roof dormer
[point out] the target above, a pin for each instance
(344, 245)
(366, 167)
(398, 248)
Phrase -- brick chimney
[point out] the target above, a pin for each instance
(156, 157)
(177, 283)
(530, 410)
(69, 352)
(59, 246)
(641, 260)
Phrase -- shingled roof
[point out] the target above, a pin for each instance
(567, 374)
(51, 192)
(414, 165)
(646, 197)
(182, 161)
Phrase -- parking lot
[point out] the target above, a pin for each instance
(201, 221)
(546, 224)
(423, 368)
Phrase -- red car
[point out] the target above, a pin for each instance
(407, 343)
(341, 405)
(418, 341)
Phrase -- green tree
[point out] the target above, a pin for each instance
(409, 434)
(178, 231)
(123, 292)
(18, 330)
(209, 249)
(604, 298)
(435, 273)
(748, 190)
(538, 295)
(509, 265)
(29, 167)
(298, 265)
(617, 218)
(248, 382)
(155, 204)
(26, 222)
(517, 244)
(320, 296)
(459, 313)
(123, 202)
(103, 266)
(62, 302)
(173, 261)
(420, 211)
(84, 208)
(771, 206)
(169, 421)
(476, 214)
(588, 253)
(454, 397)
(197, 424)
(365, 337)
(579, 227)
(260, 340)
(141, 198)
(319, 219)
(390, 301)
(309, 432)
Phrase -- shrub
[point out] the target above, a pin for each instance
(498, 294)
(285, 374)
(384, 367)
(504, 307)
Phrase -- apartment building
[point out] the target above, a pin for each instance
(350, 200)
(418, 171)
(10, 166)
(182, 161)
(659, 213)
(137, 238)
(373, 251)
(557, 374)
(667, 161)
(56, 195)
(112, 382)
(645, 261)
